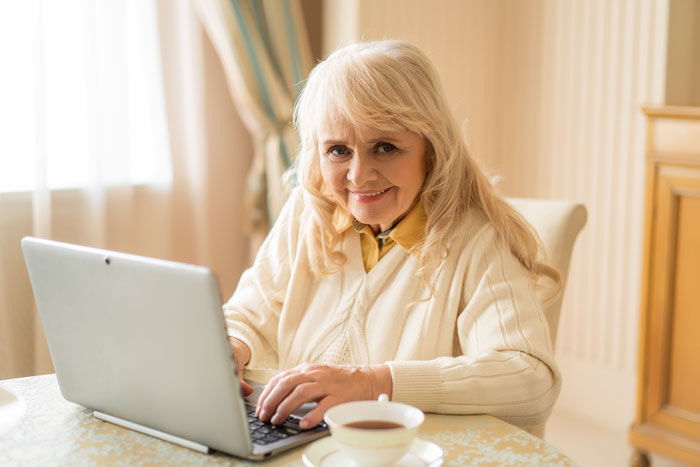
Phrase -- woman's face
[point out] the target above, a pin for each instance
(375, 175)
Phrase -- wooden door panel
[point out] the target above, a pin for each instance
(684, 374)
(668, 397)
(673, 381)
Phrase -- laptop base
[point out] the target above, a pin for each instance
(151, 432)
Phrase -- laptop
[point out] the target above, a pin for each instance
(142, 342)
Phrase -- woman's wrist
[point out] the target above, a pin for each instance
(380, 381)
(241, 351)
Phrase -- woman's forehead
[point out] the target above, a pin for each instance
(341, 130)
(333, 125)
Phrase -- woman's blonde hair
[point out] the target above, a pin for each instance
(391, 85)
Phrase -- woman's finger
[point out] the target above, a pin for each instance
(305, 383)
(246, 388)
(302, 368)
(277, 392)
(315, 416)
(241, 354)
(303, 393)
(266, 391)
(269, 387)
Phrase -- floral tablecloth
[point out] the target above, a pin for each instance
(57, 432)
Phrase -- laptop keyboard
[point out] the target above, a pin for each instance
(266, 433)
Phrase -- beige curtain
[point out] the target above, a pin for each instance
(265, 51)
(196, 219)
(211, 148)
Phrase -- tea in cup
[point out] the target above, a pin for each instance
(374, 433)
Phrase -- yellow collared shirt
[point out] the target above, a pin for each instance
(407, 233)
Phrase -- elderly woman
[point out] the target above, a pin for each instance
(394, 268)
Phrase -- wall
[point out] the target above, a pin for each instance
(550, 94)
(577, 132)
(683, 64)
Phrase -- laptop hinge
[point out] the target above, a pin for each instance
(150, 431)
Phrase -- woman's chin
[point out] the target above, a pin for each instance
(368, 219)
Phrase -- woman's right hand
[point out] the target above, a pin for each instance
(241, 353)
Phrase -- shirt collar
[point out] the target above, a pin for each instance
(407, 233)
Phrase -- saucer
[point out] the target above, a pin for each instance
(12, 409)
(325, 452)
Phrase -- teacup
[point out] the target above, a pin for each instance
(374, 433)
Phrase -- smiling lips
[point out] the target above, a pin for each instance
(369, 196)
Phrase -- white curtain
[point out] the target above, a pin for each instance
(86, 155)
(82, 95)
(82, 115)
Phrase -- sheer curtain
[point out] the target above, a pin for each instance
(87, 155)
(82, 95)
(211, 148)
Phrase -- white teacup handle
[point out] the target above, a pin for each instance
(383, 398)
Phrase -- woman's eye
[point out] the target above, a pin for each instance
(338, 151)
(385, 147)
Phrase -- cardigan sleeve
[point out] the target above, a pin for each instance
(502, 363)
(252, 313)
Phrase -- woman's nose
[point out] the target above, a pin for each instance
(361, 170)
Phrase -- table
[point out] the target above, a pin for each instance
(57, 432)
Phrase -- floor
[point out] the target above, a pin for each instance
(593, 445)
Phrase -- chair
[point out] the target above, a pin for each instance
(558, 223)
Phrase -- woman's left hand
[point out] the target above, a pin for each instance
(327, 385)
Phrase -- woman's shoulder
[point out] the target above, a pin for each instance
(294, 205)
(473, 225)
(296, 199)
(287, 221)
(476, 238)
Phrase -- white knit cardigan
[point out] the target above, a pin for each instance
(479, 344)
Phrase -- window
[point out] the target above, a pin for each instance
(81, 95)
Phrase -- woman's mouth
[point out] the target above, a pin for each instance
(369, 196)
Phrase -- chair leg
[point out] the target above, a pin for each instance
(537, 430)
(639, 458)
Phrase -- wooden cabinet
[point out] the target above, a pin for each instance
(668, 397)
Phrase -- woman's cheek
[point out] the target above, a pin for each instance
(338, 178)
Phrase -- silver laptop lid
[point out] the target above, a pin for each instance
(140, 339)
